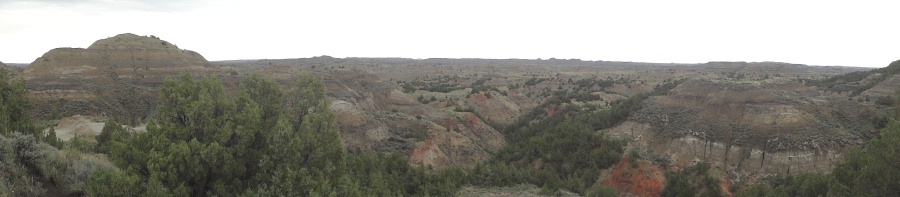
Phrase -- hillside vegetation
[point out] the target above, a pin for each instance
(857, 82)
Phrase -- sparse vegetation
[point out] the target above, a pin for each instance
(857, 82)
(534, 81)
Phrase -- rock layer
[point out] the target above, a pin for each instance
(740, 162)
(749, 128)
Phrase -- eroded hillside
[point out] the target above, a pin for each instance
(116, 76)
(376, 116)
(751, 128)
(749, 120)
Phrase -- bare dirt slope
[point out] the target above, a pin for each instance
(77, 125)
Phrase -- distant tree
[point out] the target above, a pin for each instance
(112, 132)
(51, 138)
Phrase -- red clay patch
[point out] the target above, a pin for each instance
(472, 120)
(637, 87)
(416, 157)
(480, 97)
(725, 185)
(644, 180)
(450, 123)
(552, 110)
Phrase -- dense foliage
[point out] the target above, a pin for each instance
(692, 181)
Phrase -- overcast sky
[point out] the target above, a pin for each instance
(847, 33)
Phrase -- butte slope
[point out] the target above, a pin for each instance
(116, 76)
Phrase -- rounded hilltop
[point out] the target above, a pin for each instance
(132, 41)
(127, 54)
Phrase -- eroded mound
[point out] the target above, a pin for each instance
(117, 76)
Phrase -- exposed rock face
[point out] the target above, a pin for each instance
(2, 65)
(751, 128)
(115, 76)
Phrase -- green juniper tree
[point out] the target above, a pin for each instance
(14, 108)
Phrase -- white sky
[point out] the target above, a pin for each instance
(847, 33)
